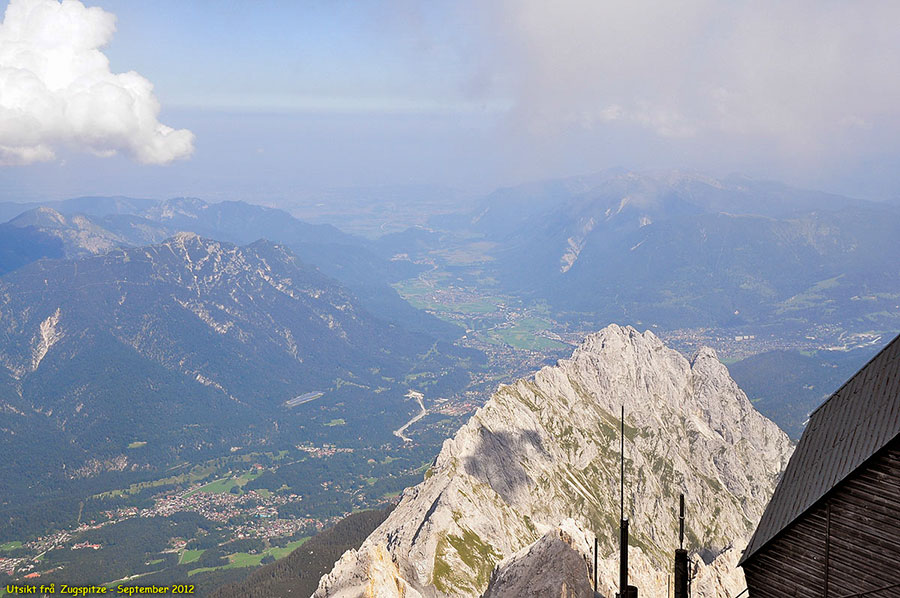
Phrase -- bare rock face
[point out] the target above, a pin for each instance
(546, 449)
(556, 565)
(372, 574)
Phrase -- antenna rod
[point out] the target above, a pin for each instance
(622, 477)
(623, 560)
(682, 566)
(623, 523)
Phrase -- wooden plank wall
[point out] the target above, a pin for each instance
(857, 525)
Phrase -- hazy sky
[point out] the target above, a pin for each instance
(263, 100)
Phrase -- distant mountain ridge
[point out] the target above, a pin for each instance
(241, 222)
(686, 250)
(83, 235)
(234, 221)
(672, 192)
(89, 226)
(89, 205)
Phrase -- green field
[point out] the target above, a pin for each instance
(482, 306)
(281, 552)
(244, 559)
(476, 252)
(523, 335)
(189, 556)
(217, 487)
(224, 485)
(196, 473)
(11, 545)
(204, 569)
(419, 295)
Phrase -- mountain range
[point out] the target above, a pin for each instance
(683, 250)
(185, 348)
(90, 226)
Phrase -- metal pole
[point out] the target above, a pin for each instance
(623, 522)
(622, 476)
(682, 571)
(623, 560)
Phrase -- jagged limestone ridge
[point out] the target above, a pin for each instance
(547, 448)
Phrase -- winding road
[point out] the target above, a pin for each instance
(399, 433)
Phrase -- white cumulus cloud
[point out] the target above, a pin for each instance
(57, 90)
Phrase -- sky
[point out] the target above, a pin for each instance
(264, 100)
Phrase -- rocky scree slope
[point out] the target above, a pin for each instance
(546, 448)
(556, 565)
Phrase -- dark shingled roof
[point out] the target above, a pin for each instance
(860, 418)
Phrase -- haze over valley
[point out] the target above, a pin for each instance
(280, 375)
(344, 300)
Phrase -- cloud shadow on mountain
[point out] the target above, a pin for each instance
(496, 461)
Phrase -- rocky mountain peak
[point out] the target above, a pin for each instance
(204, 261)
(546, 448)
(41, 216)
(705, 354)
(559, 564)
(79, 234)
(183, 237)
(616, 336)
